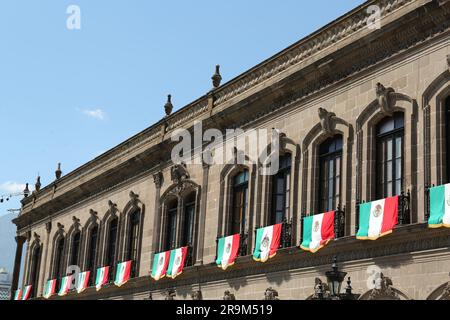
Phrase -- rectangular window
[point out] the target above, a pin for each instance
(330, 161)
(281, 192)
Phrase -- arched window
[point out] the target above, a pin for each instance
(281, 185)
(112, 247)
(58, 271)
(171, 226)
(92, 253)
(34, 275)
(330, 166)
(133, 240)
(189, 220)
(240, 203)
(75, 250)
(447, 130)
(390, 134)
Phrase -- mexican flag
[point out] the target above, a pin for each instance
(26, 293)
(65, 286)
(227, 251)
(439, 207)
(18, 294)
(176, 263)
(377, 219)
(318, 230)
(123, 273)
(102, 277)
(83, 281)
(267, 242)
(49, 289)
(160, 263)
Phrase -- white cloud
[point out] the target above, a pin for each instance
(12, 187)
(98, 114)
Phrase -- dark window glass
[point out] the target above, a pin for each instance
(59, 267)
(240, 203)
(75, 249)
(330, 162)
(133, 240)
(92, 254)
(390, 133)
(171, 228)
(189, 216)
(447, 137)
(35, 270)
(281, 183)
(111, 248)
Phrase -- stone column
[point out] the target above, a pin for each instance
(158, 180)
(202, 217)
(48, 228)
(16, 273)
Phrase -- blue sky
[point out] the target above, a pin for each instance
(69, 95)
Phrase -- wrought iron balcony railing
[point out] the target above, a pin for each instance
(189, 256)
(286, 234)
(339, 222)
(427, 201)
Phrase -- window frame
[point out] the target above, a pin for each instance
(285, 174)
(241, 189)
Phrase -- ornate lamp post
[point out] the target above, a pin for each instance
(334, 279)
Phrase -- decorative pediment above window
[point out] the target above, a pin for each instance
(93, 214)
(112, 207)
(327, 122)
(383, 289)
(385, 99)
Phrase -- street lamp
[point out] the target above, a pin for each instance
(335, 279)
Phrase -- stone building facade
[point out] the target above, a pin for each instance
(363, 114)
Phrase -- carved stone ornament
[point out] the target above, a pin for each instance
(178, 173)
(93, 214)
(327, 121)
(383, 289)
(112, 207)
(321, 290)
(448, 62)
(271, 294)
(36, 237)
(75, 220)
(196, 295)
(216, 78)
(134, 197)
(386, 101)
(60, 226)
(227, 295)
(158, 179)
(446, 293)
(169, 294)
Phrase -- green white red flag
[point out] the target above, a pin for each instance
(267, 242)
(26, 293)
(160, 264)
(101, 278)
(18, 294)
(227, 251)
(64, 288)
(377, 218)
(83, 281)
(176, 263)
(50, 288)
(317, 231)
(439, 207)
(123, 273)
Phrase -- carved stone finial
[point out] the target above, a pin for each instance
(112, 207)
(37, 185)
(227, 295)
(383, 289)
(58, 172)
(179, 173)
(216, 78)
(93, 213)
(75, 220)
(60, 226)
(169, 294)
(36, 236)
(26, 191)
(168, 106)
(196, 295)
(134, 197)
(385, 99)
(327, 121)
(271, 294)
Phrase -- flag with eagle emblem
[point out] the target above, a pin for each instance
(227, 251)
(160, 263)
(123, 273)
(267, 242)
(176, 263)
(50, 288)
(318, 230)
(439, 207)
(377, 218)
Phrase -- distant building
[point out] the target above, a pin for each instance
(5, 284)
